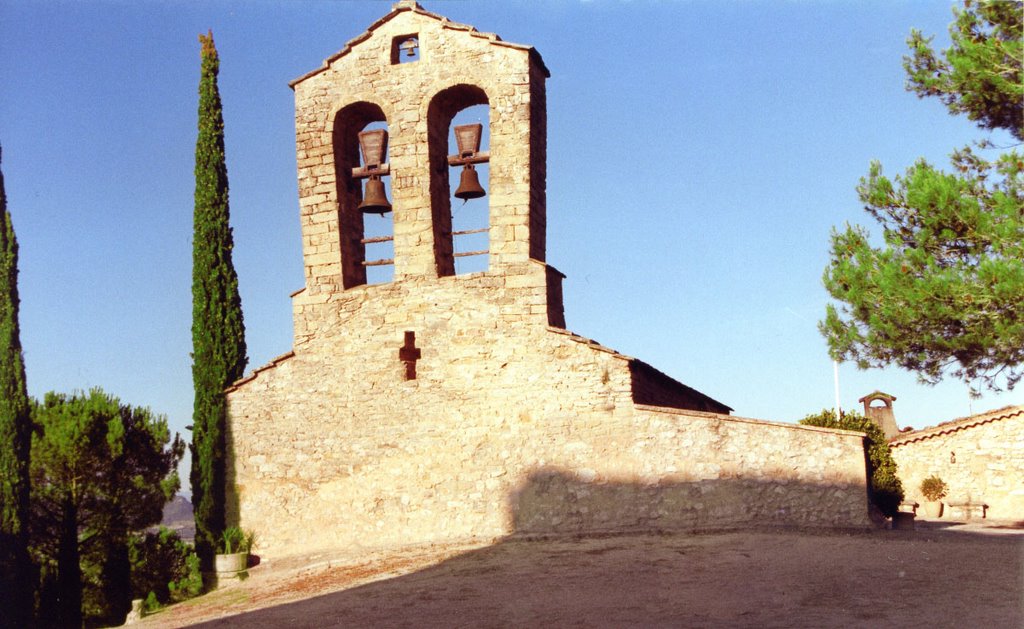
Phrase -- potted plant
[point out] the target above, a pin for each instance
(233, 559)
(934, 490)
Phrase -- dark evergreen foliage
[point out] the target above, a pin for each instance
(16, 595)
(164, 567)
(884, 489)
(100, 471)
(218, 332)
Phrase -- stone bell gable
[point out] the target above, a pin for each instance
(439, 406)
(457, 67)
(366, 82)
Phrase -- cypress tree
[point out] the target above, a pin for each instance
(16, 595)
(218, 333)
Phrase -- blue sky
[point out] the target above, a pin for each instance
(698, 155)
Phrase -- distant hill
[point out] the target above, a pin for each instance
(178, 517)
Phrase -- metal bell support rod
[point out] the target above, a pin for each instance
(373, 145)
(468, 138)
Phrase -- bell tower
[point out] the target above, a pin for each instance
(409, 75)
(881, 413)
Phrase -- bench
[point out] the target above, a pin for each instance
(909, 507)
(967, 509)
(903, 521)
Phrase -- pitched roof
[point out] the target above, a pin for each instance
(958, 424)
(410, 5)
(637, 365)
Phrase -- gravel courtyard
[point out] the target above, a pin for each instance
(942, 575)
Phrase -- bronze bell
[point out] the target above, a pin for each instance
(376, 200)
(469, 185)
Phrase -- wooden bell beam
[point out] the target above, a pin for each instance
(368, 171)
(476, 158)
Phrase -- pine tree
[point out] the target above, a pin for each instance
(982, 73)
(218, 332)
(944, 295)
(100, 470)
(16, 594)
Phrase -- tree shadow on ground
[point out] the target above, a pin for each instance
(557, 571)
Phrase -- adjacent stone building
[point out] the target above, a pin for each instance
(442, 406)
(980, 458)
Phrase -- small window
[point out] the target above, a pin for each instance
(405, 49)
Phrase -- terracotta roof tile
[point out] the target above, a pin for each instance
(957, 424)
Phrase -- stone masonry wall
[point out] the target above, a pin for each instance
(510, 426)
(980, 462)
(444, 407)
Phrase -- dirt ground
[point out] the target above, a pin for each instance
(940, 575)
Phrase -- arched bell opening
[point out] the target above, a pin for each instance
(366, 228)
(461, 223)
(470, 185)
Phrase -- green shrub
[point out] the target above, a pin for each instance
(885, 489)
(933, 488)
(163, 567)
(235, 540)
(191, 584)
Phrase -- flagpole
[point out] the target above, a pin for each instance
(835, 373)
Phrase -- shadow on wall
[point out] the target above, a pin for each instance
(554, 501)
(749, 578)
(232, 508)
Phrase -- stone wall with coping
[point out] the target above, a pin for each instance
(980, 458)
(669, 469)
(510, 426)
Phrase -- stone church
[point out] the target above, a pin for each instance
(449, 407)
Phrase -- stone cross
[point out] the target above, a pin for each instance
(409, 354)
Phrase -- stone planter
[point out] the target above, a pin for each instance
(933, 508)
(135, 615)
(230, 566)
